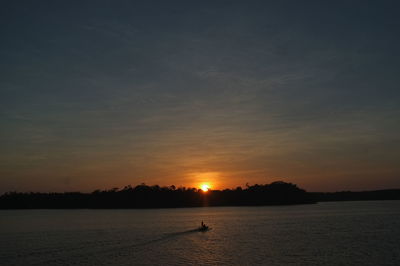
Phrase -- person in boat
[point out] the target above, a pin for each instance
(203, 225)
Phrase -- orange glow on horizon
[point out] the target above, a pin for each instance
(205, 187)
(205, 180)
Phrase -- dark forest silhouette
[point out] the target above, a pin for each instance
(143, 196)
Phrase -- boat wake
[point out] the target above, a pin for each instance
(162, 239)
(167, 236)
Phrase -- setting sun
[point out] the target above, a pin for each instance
(205, 180)
(205, 187)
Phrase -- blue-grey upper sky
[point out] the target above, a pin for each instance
(98, 94)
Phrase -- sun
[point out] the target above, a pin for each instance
(205, 187)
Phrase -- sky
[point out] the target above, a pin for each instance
(103, 94)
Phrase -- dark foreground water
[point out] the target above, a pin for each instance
(340, 233)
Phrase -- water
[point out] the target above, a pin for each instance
(337, 233)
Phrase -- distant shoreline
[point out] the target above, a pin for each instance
(384, 194)
(155, 197)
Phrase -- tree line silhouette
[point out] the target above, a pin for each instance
(144, 196)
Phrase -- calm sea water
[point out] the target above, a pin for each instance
(339, 233)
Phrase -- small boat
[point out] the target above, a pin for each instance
(203, 228)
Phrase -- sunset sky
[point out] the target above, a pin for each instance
(103, 94)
